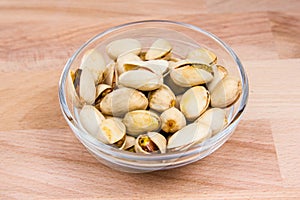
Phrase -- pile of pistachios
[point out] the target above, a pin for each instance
(150, 100)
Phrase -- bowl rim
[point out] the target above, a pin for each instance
(152, 157)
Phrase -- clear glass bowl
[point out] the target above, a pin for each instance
(183, 37)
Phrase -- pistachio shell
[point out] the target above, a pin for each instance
(178, 99)
(123, 46)
(191, 134)
(110, 75)
(158, 49)
(159, 67)
(194, 102)
(215, 118)
(91, 119)
(161, 99)
(226, 93)
(187, 75)
(203, 55)
(123, 100)
(71, 91)
(111, 131)
(101, 91)
(150, 143)
(219, 73)
(87, 88)
(141, 121)
(94, 61)
(172, 120)
(129, 142)
(122, 67)
(174, 87)
(141, 80)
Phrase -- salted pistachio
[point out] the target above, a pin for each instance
(226, 92)
(203, 55)
(215, 118)
(95, 63)
(194, 102)
(159, 67)
(219, 73)
(189, 135)
(71, 91)
(152, 142)
(101, 91)
(178, 99)
(141, 79)
(173, 86)
(112, 131)
(187, 73)
(129, 142)
(141, 121)
(172, 120)
(86, 87)
(158, 50)
(91, 119)
(127, 58)
(161, 99)
(123, 46)
(110, 75)
(123, 100)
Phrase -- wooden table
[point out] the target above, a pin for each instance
(40, 158)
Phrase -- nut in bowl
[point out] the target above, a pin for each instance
(153, 95)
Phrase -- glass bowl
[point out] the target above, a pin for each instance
(183, 37)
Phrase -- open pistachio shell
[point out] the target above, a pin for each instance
(191, 134)
(151, 142)
(173, 86)
(94, 61)
(141, 121)
(161, 99)
(123, 100)
(87, 88)
(219, 73)
(110, 75)
(111, 131)
(215, 118)
(141, 79)
(159, 49)
(159, 67)
(203, 55)
(226, 92)
(194, 102)
(172, 120)
(129, 142)
(91, 119)
(101, 91)
(123, 46)
(127, 58)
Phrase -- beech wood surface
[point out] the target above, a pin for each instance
(40, 158)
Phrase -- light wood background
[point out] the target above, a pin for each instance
(40, 158)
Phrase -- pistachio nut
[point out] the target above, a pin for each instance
(87, 88)
(101, 91)
(215, 118)
(111, 132)
(129, 142)
(159, 67)
(93, 61)
(226, 92)
(172, 120)
(161, 99)
(141, 79)
(151, 142)
(194, 102)
(203, 55)
(91, 119)
(158, 50)
(123, 100)
(219, 73)
(189, 135)
(141, 121)
(123, 46)
(123, 62)
(110, 75)
(173, 86)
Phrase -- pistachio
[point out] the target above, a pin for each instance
(172, 120)
(141, 121)
(91, 119)
(189, 74)
(123, 46)
(191, 134)
(203, 55)
(161, 99)
(150, 143)
(215, 118)
(194, 102)
(129, 142)
(111, 132)
(159, 67)
(219, 73)
(127, 58)
(226, 92)
(178, 99)
(101, 91)
(141, 80)
(110, 75)
(94, 61)
(173, 86)
(87, 88)
(159, 49)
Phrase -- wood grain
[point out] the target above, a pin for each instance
(40, 158)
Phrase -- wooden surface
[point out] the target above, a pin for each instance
(40, 158)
